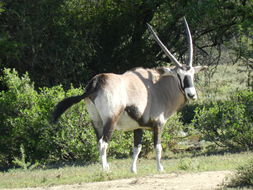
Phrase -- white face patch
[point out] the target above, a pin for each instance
(187, 83)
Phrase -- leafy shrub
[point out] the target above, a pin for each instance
(188, 113)
(186, 164)
(243, 176)
(24, 120)
(228, 123)
(173, 132)
(21, 162)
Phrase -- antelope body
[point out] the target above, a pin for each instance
(136, 100)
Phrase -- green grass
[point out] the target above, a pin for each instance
(226, 80)
(119, 169)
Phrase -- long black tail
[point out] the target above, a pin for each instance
(62, 106)
(92, 86)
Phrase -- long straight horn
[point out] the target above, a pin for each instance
(166, 51)
(189, 42)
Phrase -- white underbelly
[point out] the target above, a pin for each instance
(126, 123)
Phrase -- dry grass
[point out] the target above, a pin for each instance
(119, 169)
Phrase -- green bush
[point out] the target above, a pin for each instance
(243, 176)
(228, 123)
(188, 113)
(24, 125)
(24, 121)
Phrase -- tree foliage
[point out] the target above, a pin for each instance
(68, 41)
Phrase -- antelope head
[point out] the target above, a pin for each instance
(185, 72)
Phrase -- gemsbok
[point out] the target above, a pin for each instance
(136, 100)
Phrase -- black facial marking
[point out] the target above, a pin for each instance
(187, 82)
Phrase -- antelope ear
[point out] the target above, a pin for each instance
(200, 68)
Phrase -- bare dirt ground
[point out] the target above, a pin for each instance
(175, 181)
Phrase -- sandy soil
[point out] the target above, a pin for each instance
(174, 181)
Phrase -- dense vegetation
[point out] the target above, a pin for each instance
(61, 44)
(228, 123)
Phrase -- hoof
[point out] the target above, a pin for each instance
(160, 169)
(106, 168)
(134, 170)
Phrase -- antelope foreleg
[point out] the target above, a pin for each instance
(137, 148)
(158, 157)
(136, 152)
(158, 147)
